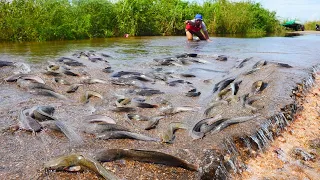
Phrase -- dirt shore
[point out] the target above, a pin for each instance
(281, 160)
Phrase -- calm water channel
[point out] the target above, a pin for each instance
(298, 50)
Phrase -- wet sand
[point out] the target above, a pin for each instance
(278, 161)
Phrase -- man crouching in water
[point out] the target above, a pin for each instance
(195, 26)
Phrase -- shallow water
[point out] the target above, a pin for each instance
(133, 54)
(297, 50)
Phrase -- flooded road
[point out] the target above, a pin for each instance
(24, 153)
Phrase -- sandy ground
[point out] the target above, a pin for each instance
(279, 161)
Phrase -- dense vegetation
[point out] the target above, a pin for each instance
(311, 25)
(42, 20)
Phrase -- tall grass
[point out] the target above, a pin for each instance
(311, 25)
(43, 20)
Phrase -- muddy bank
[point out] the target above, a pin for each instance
(295, 153)
(264, 91)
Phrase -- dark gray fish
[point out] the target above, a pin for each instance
(165, 61)
(228, 122)
(105, 55)
(222, 84)
(28, 123)
(122, 73)
(214, 104)
(143, 156)
(96, 58)
(184, 55)
(43, 113)
(53, 73)
(179, 81)
(205, 125)
(27, 84)
(193, 94)
(93, 81)
(168, 135)
(251, 71)
(50, 93)
(94, 128)
(100, 119)
(61, 81)
(69, 73)
(69, 132)
(137, 117)
(243, 62)
(259, 64)
(222, 58)
(192, 55)
(187, 75)
(123, 109)
(147, 92)
(31, 77)
(284, 65)
(153, 122)
(125, 135)
(125, 81)
(143, 78)
(107, 70)
(73, 88)
(6, 63)
(68, 162)
(69, 61)
(173, 110)
(140, 104)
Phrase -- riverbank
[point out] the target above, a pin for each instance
(299, 33)
(279, 161)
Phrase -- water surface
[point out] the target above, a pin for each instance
(298, 50)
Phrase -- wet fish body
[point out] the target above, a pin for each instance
(69, 132)
(27, 122)
(123, 109)
(231, 121)
(6, 63)
(67, 161)
(97, 118)
(137, 117)
(43, 113)
(88, 94)
(93, 81)
(32, 85)
(46, 92)
(147, 92)
(122, 73)
(73, 88)
(25, 77)
(174, 110)
(143, 156)
(125, 135)
(168, 136)
(153, 122)
(95, 128)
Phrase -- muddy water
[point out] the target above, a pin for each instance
(23, 153)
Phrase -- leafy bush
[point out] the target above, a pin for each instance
(43, 20)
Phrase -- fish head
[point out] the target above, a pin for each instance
(63, 162)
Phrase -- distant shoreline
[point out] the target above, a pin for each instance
(299, 33)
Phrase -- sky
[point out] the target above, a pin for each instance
(303, 10)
